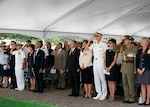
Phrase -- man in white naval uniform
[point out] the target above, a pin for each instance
(99, 49)
(19, 67)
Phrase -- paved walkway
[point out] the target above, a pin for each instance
(60, 97)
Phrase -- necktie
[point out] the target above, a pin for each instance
(70, 52)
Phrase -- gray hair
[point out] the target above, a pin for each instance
(147, 40)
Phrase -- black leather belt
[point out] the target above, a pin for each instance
(128, 61)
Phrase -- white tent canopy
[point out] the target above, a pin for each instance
(49, 18)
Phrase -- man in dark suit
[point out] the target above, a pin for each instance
(39, 66)
(74, 68)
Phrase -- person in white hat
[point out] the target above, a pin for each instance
(99, 49)
(19, 67)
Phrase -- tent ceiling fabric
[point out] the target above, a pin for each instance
(49, 18)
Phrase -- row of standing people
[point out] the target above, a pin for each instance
(14, 61)
(104, 59)
(135, 63)
(30, 58)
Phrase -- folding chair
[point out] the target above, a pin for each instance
(52, 77)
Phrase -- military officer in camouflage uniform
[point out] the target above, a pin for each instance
(128, 69)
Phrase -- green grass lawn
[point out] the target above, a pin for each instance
(10, 102)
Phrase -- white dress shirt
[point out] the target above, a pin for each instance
(98, 49)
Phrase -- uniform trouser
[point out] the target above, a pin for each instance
(99, 78)
(39, 80)
(128, 86)
(75, 82)
(19, 76)
(61, 79)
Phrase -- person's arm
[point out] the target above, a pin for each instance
(147, 64)
(105, 47)
(80, 60)
(27, 66)
(105, 60)
(27, 59)
(7, 60)
(64, 59)
(78, 66)
(26, 62)
(138, 55)
(24, 59)
(42, 61)
(134, 60)
(114, 61)
(138, 61)
(66, 68)
(105, 67)
(88, 44)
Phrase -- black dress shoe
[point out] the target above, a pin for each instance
(40, 91)
(124, 101)
(35, 91)
(130, 102)
(141, 103)
(76, 95)
(12, 87)
(146, 104)
(70, 95)
(45, 86)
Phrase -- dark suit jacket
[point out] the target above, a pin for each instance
(39, 60)
(50, 58)
(73, 60)
(145, 59)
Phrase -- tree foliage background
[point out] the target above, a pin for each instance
(23, 38)
(16, 37)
